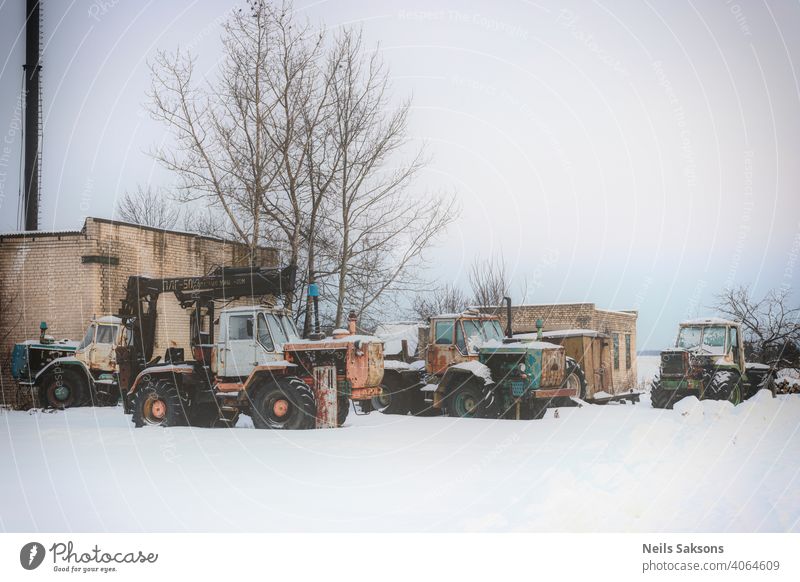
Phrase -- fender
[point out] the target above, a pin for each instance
(259, 371)
(159, 371)
(454, 376)
(66, 361)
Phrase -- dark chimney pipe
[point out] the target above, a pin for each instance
(509, 332)
(32, 53)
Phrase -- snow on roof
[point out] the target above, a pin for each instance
(558, 333)
(536, 345)
(108, 319)
(709, 321)
(33, 233)
(393, 335)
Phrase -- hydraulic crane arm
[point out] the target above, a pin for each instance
(139, 307)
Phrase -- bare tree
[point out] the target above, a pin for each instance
(149, 207)
(383, 229)
(489, 281)
(446, 299)
(296, 144)
(223, 152)
(771, 325)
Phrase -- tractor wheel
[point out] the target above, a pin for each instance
(466, 400)
(285, 403)
(342, 408)
(724, 385)
(394, 398)
(159, 403)
(660, 398)
(63, 390)
(574, 378)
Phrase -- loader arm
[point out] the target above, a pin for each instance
(139, 308)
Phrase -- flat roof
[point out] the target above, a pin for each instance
(48, 233)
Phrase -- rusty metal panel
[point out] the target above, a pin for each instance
(440, 357)
(325, 392)
(553, 367)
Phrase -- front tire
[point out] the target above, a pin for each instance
(394, 398)
(661, 398)
(158, 403)
(63, 390)
(466, 401)
(286, 403)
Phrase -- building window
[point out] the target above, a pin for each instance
(616, 350)
(627, 351)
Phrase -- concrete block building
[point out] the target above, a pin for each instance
(67, 277)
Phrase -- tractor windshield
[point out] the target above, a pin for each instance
(493, 331)
(479, 332)
(289, 328)
(709, 339)
(88, 338)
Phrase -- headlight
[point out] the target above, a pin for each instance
(522, 367)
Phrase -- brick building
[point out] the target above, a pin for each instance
(618, 326)
(65, 278)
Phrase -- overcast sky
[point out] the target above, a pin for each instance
(639, 155)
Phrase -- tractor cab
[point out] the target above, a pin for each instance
(458, 338)
(250, 337)
(704, 344)
(97, 349)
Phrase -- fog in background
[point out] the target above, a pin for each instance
(639, 155)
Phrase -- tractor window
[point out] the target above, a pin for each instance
(240, 327)
(714, 339)
(278, 334)
(444, 332)
(106, 334)
(689, 337)
(87, 339)
(474, 334)
(263, 334)
(492, 330)
(289, 328)
(460, 343)
(734, 345)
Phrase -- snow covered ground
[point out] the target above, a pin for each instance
(647, 368)
(702, 467)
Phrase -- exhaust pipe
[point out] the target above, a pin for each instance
(509, 332)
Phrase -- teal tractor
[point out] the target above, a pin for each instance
(472, 370)
(708, 362)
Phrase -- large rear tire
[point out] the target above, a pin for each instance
(724, 385)
(574, 378)
(285, 403)
(395, 398)
(63, 389)
(159, 403)
(342, 408)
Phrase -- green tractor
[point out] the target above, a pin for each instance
(708, 362)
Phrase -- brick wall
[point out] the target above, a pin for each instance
(47, 280)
